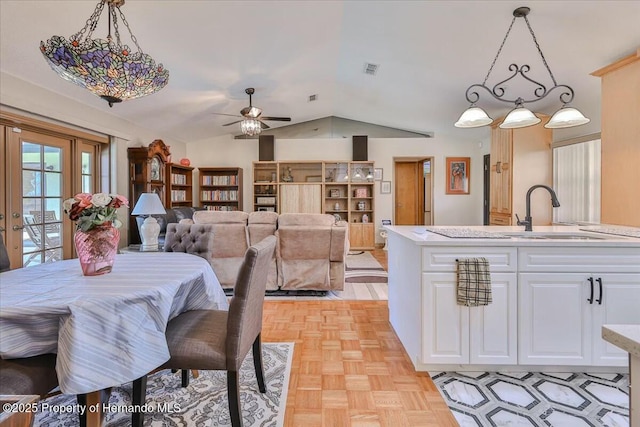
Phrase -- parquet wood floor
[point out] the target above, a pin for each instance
(349, 367)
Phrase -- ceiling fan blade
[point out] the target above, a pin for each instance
(224, 114)
(232, 123)
(263, 125)
(277, 119)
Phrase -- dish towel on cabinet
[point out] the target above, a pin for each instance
(474, 282)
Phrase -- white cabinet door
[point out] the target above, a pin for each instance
(618, 303)
(555, 317)
(493, 329)
(458, 334)
(445, 324)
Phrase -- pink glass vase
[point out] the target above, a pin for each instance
(97, 249)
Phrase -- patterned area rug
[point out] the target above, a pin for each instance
(361, 292)
(526, 399)
(362, 267)
(204, 403)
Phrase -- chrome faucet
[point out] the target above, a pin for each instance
(528, 222)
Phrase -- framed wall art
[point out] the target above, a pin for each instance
(458, 175)
(385, 187)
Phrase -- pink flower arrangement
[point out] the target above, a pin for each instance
(91, 210)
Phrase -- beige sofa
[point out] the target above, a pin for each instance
(310, 253)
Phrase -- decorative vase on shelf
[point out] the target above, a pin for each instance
(97, 248)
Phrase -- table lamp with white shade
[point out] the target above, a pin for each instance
(149, 204)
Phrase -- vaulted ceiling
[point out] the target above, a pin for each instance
(428, 53)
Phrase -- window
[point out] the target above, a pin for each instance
(576, 179)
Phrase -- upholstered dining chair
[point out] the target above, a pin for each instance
(32, 376)
(4, 257)
(195, 240)
(29, 375)
(220, 340)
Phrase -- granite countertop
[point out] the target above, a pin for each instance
(564, 235)
(627, 337)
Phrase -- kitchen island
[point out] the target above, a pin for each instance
(552, 291)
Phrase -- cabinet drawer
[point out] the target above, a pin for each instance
(444, 259)
(578, 260)
(499, 219)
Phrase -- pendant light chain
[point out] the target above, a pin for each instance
(499, 50)
(133, 37)
(91, 23)
(544, 61)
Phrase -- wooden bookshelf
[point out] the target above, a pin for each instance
(179, 186)
(220, 189)
(343, 189)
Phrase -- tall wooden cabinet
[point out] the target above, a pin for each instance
(179, 186)
(147, 174)
(221, 189)
(620, 174)
(520, 158)
(342, 189)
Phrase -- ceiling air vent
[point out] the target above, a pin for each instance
(370, 68)
(313, 98)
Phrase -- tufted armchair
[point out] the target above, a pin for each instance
(230, 242)
(196, 239)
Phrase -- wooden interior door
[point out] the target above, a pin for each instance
(409, 193)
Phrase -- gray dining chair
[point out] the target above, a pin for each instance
(29, 375)
(5, 265)
(220, 340)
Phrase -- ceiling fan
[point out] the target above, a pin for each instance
(252, 112)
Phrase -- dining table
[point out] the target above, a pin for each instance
(107, 330)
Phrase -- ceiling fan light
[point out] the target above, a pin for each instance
(473, 117)
(519, 117)
(566, 117)
(250, 127)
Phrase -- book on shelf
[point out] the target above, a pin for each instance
(219, 195)
(178, 195)
(178, 179)
(220, 180)
(221, 208)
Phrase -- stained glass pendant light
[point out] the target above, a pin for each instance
(108, 68)
(520, 116)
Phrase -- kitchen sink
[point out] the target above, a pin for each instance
(554, 236)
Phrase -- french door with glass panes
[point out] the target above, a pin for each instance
(39, 175)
